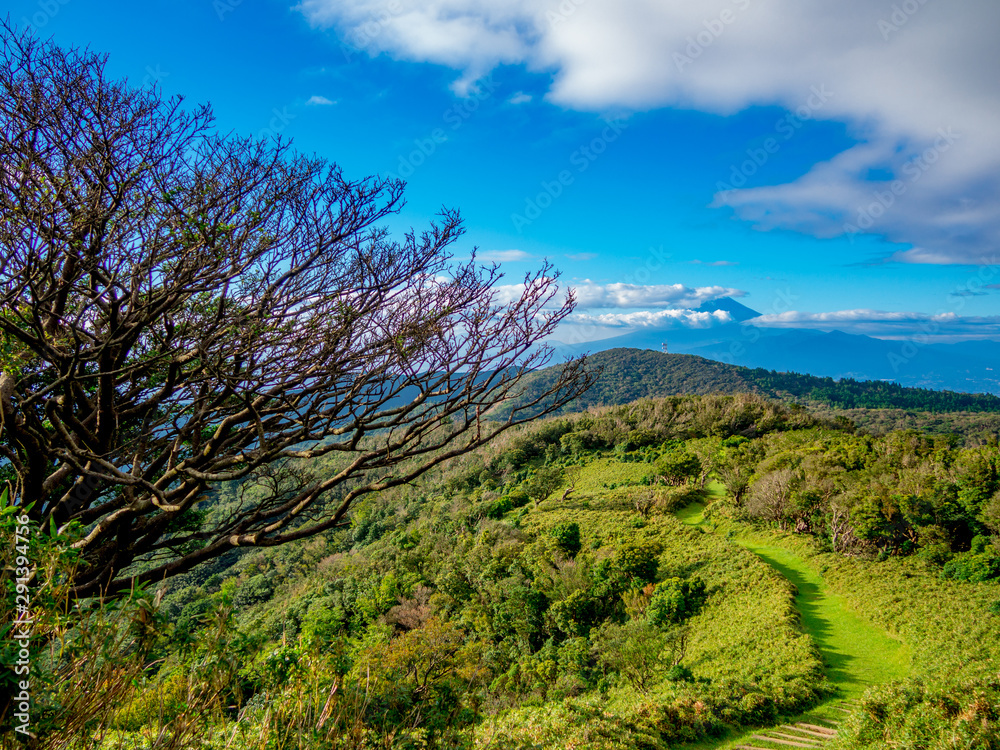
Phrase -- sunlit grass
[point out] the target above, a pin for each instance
(856, 652)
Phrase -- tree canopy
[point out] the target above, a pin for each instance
(182, 308)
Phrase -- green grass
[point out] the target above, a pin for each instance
(856, 654)
(746, 639)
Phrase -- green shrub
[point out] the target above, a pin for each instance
(637, 652)
(634, 562)
(567, 537)
(678, 467)
(915, 715)
(680, 673)
(675, 600)
(257, 589)
(576, 614)
(973, 566)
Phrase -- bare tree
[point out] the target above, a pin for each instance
(181, 308)
(771, 495)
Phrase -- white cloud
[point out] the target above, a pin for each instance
(591, 296)
(503, 256)
(658, 319)
(318, 101)
(581, 256)
(887, 325)
(520, 98)
(715, 263)
(898, 74)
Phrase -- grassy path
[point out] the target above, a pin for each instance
(856, 653)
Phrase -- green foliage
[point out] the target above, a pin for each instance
(678, 467)
(576, 614)
(879, 406)
(445, 619)
(914, 715)
(544, 482)
(567, 537)
(981, 564)
(674, 601)
(637, 652)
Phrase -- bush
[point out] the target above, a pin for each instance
(257, 589)
(946, 716)
(674, 601)
(680, 673)
(544, 482)
(635, 562)
(678, 467)
(973, 566)
(576, 614)
(639, 653)
(567, 537)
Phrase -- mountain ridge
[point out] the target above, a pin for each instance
(631, 373)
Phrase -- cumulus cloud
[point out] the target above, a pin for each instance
(886, 325)
(591, 296)
(319, 101)
(900, 75)
(658, 319)
(520, 98)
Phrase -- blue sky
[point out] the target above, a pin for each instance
(831, 169)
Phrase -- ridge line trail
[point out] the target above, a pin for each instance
(856, 654)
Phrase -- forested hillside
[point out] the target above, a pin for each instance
(630, 374)
(542, 593)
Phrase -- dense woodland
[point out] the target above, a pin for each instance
(541, 593)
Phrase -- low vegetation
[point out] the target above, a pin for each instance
(542, 593)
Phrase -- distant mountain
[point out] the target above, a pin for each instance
(731, 306)
(969, 366)
(630, 374)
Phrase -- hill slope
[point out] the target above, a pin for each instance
(629, 374)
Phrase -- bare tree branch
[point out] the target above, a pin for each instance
(181, 309)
